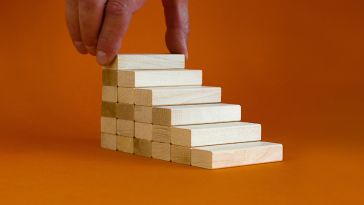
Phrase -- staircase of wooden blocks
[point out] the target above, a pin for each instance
(153, 107)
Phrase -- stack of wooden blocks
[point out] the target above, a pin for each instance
(153, 107)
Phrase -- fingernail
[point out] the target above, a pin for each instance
(101, 58)
(80, 47)
(91, 50)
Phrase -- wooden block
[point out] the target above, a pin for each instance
(180, 154)
(147, 61)
(125, 111)
(161, 133)
(142, 147)
(196, 114)
(125, 144)
(143, 114)
(109, 77)
(152, 78)
(108, 141)
(108, 109)
(143, 131)
(108, 125)
(230, 155)
(161, 151)
(126, 95)
(125, 128)
(177, 95)
(217, 133)
(109, 94)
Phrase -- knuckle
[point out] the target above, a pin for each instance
(118, 7)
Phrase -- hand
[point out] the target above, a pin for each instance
(97, 27)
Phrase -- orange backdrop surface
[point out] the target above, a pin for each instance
(296, 67)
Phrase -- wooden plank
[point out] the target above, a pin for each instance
(216, 133)
(196, 114)
(161, 151)
(161, 133)
(143, 114)
(152, 78)
(125, 95)
(109, 94)
(143, 130)
(125, 127)
(125, 111)
(108, 141)
(230, 155)
(108, 109)
(108, 125)
(147, 61)
(143, 147)
(180, 154)
(109, 77)
(125, 144)
(155, 96)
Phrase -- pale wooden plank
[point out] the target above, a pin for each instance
(216, 133)
(109, 77)
(161, 133)
(108, 125)
(125, 144)
(180, 154)
(161, 151)
(196, 114)
(125, 95)
(142, 147)
(109, 94)
(152, 78)
(108, 109)
(143, 130)
(147, 61)
(143, 114)
(125, 127)
(108, 141)
(125, 111)
(156, 96)
(230, 155)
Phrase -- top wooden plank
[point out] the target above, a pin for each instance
(147, 61)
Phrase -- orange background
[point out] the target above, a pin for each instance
(294, 66)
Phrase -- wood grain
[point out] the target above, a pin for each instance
(108, 125)
(125, 144)
(108, 109)
(180, 154)
(230, 155)
(108, 141)
(143, 147)
(155, 96)
(109, 94)
(125, 127)
(161, 133)
(161, 151)
(125, 111)
(196, 114)
(143, 131)
(125, 95)
(143, 114)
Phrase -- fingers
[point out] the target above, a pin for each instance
(90, 19)
(73, 25)
(177, 21)
(118, 14)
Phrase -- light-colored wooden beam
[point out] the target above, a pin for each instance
(161, 133)
(125, 144)
(230, 155)
(109, 94)
(161, 151)
(108, 109)
(125, 111)
(147, 61)
(108, 125)
(155, 96)
(152, 78)
(180, 154)
(125, 95)
(216, 133)
(125, 127)
(108, 141)
(143, 114)
(143, 131)
(196, 114)
(109, 77)
(142, 147)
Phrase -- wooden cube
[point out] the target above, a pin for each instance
(125, 144)
(143, 131)
(161, 133)
(161, 151)
(125, 127)
(142, 147)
